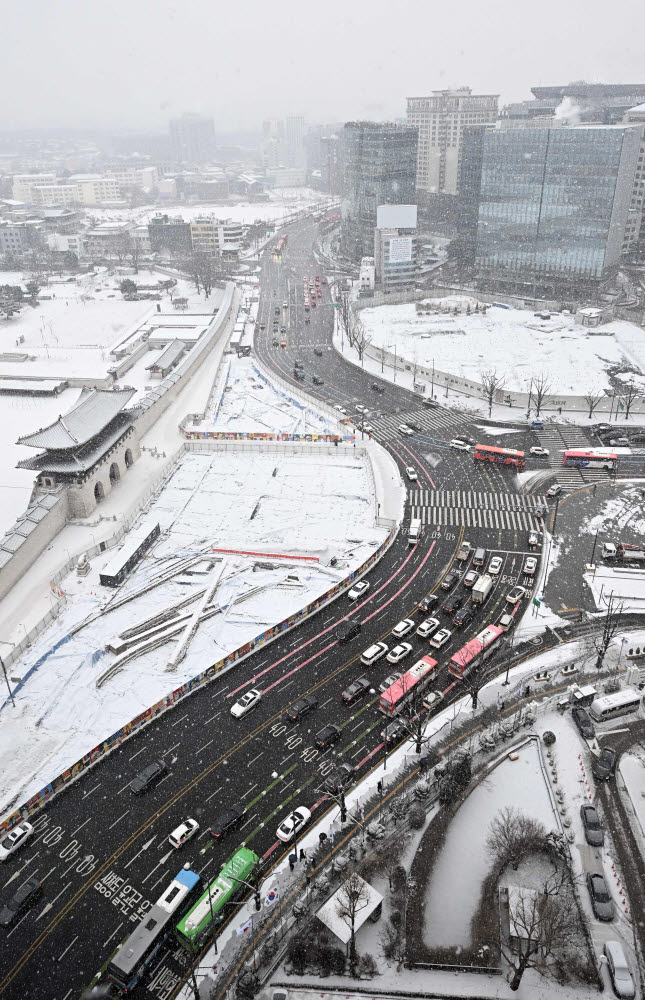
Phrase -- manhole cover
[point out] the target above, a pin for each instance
(537, 641)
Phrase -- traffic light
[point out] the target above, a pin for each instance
(258, 905)
(343, 809)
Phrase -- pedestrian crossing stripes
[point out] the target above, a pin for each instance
(474, 517)
(476, 500)
(556, 440)
(429, 421)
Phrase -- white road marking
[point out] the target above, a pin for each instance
(48, 873)
(61, 957)
(81, 826)
(124, 787)
(205, 745)
(249, 820)
(177, 721)
(214, 793)
(112, 934)
(158, 865)
(137, 753)
(144, 848)
(360, 750)
(18, 924)
(87, 794)
(119, 819)
(255, 758)
(216, 716)
(287, 784)
(249, 790)
(359, 723)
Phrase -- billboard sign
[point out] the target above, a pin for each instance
(400, 250)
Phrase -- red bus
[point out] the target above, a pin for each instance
(413, 682)
(475, 651)
(279, 248)
(500, 456)
(591, 460)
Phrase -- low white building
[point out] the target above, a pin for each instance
(66, 242)
(367, 274)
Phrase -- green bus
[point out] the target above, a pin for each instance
(193, 929)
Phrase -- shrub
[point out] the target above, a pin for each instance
(298, 953)
(399, 878)
(416, 816)
(396, 918)
(368, 966)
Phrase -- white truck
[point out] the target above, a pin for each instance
(482, 589)
(414, 531)
(623, 552)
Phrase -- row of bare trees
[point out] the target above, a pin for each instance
(353, 326)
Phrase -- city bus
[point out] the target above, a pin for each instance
(138, 950)
(410, 686)
(279, 248)
(195, 926)
(499, 456)
(591, 460)
(612, 706)
(475, 651)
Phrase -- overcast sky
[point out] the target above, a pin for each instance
(136, 63)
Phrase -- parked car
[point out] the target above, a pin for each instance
(393, 731)
(530, 564)
(592, 826)
(327, 737)
(553, 491)
(619, 972)
(449, 580)
(428, 627)
(183, 833)
(389, 681)
(357, 689)
(403, 627)
(451, 604)
(515, 595)
(23, 898)
(604, 766)
(601, 901)
(15, 839)
(539, 452)
(301, 708)
(339, 779)
(246, 703)
(440, 638)
(293, 824)
(495, 565)
(471, 578)
(358, 590)
(148, 777)
(458, 445)
(583, 722)
(411, 473)
(350, 632)
(226, 820)
(398, 653)
(428, 601)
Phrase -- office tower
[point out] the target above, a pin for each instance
(192, 139)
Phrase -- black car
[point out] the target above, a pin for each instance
(299, 374)
(227, 819)
(301, 707)
(148, 777)
(593, 828)
(357, 689)
(463, 616)
(339, 779)
(275, 342)
(318, 352)
(22, 899)
(317, 380)
(377, 387)
(428, 601)
(451, 604)
(429, 404)
(583, 722)
(393, 731)
(604, 766)
(601, 901)
(298, 364)
(327, 737)
(415, 427)
(449, 580)
(350, 633)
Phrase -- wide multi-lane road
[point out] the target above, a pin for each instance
(102, 853)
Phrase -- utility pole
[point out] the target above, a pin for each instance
(555, 514)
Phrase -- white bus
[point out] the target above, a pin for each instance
(611, 706)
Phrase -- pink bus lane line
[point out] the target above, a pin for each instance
(329, 628)
(416, 460)
(304, 663)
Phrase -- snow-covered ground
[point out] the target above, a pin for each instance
(452, 895)
(632, 771)
(251, 403)
(323, 504)
(514, 342)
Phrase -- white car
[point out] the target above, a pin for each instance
(399, 652)
(515, 595)
(361, 409)
(366, 428)
(358, 590)
(459, 445)
(395, 676)
(181, 834)
(411, 473)
(341, 409)
(495, 565)
(404, 429)
(427, 627)
(402, 628)
(539, 452)
(440, 638)
(533, 538)
(293, 823)
(529, 565)
(247, 702)
(15, 839)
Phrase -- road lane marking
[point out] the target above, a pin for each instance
(137, 753)
(81, 826)
(119, 819)
(87, 794)
(205, 745)
(112, 935)
(249, 790)
(61, 957)
(214, 793)
(261, 754)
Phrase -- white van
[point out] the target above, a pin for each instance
(374, 653)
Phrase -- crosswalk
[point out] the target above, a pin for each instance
(430, 421)
(476, 509)
(557, 439)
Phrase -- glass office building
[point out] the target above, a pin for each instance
(547, 205)
(379, 168)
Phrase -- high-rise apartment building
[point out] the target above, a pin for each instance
(379, 168)
(634, 230)
(440, 120)
(547, 206)
(295, 136)
(192, 138)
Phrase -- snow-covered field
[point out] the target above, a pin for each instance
(253, 404)
(324, 505)
(514, 342)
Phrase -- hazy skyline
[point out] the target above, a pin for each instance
(138, 64)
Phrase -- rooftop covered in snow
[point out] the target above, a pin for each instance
(95, 409)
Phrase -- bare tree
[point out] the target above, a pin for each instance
(592, 400)
(358, 336)
(541, 921)
(352, 897)
(345, 312)
(611, 622)
(491, 381)
(542, 386)
(628, 397)
(512, 835)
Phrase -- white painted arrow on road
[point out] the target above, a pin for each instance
(158, 865)
(144, 848)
